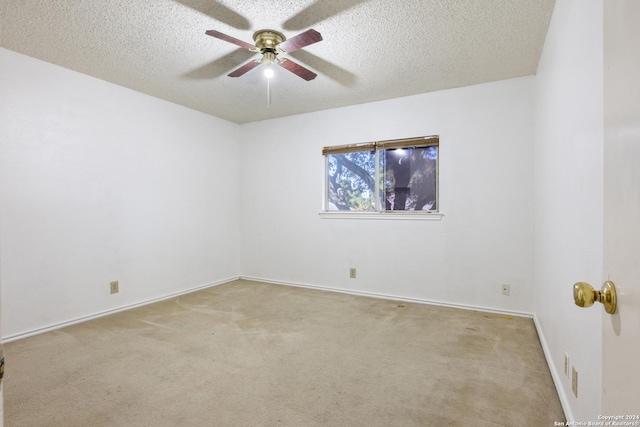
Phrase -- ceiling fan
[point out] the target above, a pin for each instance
(270, 44)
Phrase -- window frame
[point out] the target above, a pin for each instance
(380, 212)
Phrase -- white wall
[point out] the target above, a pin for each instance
(101, 183)
(486, 183)
(569, 197)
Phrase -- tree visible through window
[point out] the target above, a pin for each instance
(398, 175)
(352, 181)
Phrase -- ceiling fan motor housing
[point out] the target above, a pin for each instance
(268, 39)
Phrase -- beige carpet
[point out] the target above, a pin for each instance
(254, 354)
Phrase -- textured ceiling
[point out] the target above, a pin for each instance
(372, 49)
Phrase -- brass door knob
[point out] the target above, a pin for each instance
(584, 295)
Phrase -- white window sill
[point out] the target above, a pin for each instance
(419, 216)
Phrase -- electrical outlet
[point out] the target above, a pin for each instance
(506, 290)
(352, 273)
(566, 365)
(114, 287)
(574, 380)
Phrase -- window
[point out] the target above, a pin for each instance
(383, 176)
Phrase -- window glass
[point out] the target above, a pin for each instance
(351, 181)
(410, 176)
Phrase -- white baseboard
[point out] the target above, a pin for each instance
(81, 319)
(391, 297)
(557, 378)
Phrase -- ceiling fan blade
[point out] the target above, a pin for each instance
(227, 38)
(301, 40)
(245, 68)
(297, 69)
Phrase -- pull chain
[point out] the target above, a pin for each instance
(268, 93)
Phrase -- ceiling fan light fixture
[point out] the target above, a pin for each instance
(268, 57)
(268, 72)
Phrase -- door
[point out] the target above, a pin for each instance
(621, 264)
